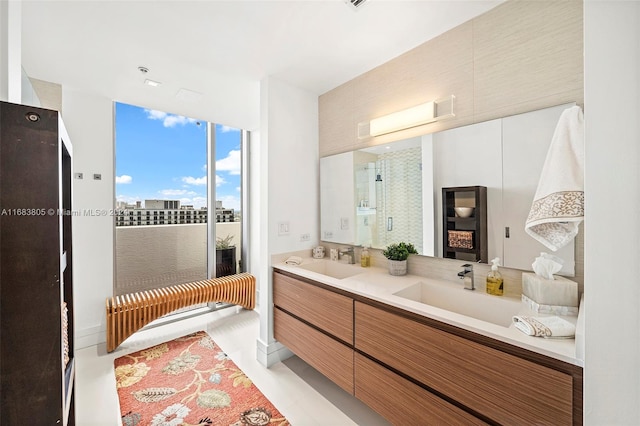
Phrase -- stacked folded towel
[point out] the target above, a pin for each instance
(548, 327)
(293, 260)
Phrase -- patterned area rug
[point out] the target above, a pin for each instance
(189, 381)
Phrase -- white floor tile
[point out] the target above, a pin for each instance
(302, 394)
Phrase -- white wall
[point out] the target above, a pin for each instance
(89, 122)
(612, 204)
(10, 51)
(289, 187)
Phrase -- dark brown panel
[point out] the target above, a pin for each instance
(31, 288)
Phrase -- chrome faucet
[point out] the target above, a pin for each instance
(349, 252)
(467, 275)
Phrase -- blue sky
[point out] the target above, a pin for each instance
(163, 156)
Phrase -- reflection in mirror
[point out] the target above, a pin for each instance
(390, 193)
(384, 203)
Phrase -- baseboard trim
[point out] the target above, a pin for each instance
(269, 354)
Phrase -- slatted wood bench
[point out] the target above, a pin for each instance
(128, 313)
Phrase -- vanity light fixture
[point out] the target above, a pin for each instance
(411, 117)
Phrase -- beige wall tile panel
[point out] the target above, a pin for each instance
(337, 128)
(575, 95)
(525, 55)
(50, 94)
(525, 51)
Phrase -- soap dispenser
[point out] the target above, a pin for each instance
(365, 258)
(495, 284)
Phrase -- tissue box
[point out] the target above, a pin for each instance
(559, 296)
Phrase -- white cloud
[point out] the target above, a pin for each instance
(204, 168)
(230, 202)
(231, 163)
(169, 120)
(220, 180)
(127, 199)
(226, 129)
(174, 192)
(124, 179)
(196, 202)
(189, 180)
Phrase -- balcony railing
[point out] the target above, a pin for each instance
(149, 257)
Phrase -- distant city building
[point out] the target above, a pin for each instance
(167, 212)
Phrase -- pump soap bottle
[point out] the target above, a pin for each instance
(365, 258)
(495, 285)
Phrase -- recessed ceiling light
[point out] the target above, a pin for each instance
(188, 95)
(152, 83)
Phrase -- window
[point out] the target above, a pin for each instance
(162, 166)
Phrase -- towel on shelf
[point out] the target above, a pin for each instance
(548, 327)
(558, 206)
(293, 260)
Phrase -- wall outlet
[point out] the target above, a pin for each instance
(344, 223)
(328, 235)
(305, 237)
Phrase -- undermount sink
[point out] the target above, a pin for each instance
(332, 269)
(497, 310)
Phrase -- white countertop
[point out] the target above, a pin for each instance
(375, 283)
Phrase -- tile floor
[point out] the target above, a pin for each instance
(302, 394)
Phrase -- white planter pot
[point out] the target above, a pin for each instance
(397, 267)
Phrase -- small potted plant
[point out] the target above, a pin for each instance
(225, 256)
(397, 254)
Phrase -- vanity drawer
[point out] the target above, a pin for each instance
(327, 310)
(401, 401)
(328, 356)
(503, 387)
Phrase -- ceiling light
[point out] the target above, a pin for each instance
(188, 95)
(152, 83)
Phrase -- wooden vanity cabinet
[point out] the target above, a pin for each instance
(498, 386)
(317, 325)
(401, 401)
(415, 370)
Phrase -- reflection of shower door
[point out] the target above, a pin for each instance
(400, 198)
(366, 199)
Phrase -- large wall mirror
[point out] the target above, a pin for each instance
(393, 192)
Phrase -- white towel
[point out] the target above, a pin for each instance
(548, 327)
(293, 260)
(558, 206)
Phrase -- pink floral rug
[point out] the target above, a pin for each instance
(189, 381)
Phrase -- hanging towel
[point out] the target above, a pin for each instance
(545, 326)
(558, 206)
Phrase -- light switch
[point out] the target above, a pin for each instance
(283, 228)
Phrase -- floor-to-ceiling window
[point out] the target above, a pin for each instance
(178, 191)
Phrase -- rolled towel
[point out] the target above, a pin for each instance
(293, 260)
(548, 327)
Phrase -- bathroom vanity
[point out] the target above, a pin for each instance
(377, 337)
